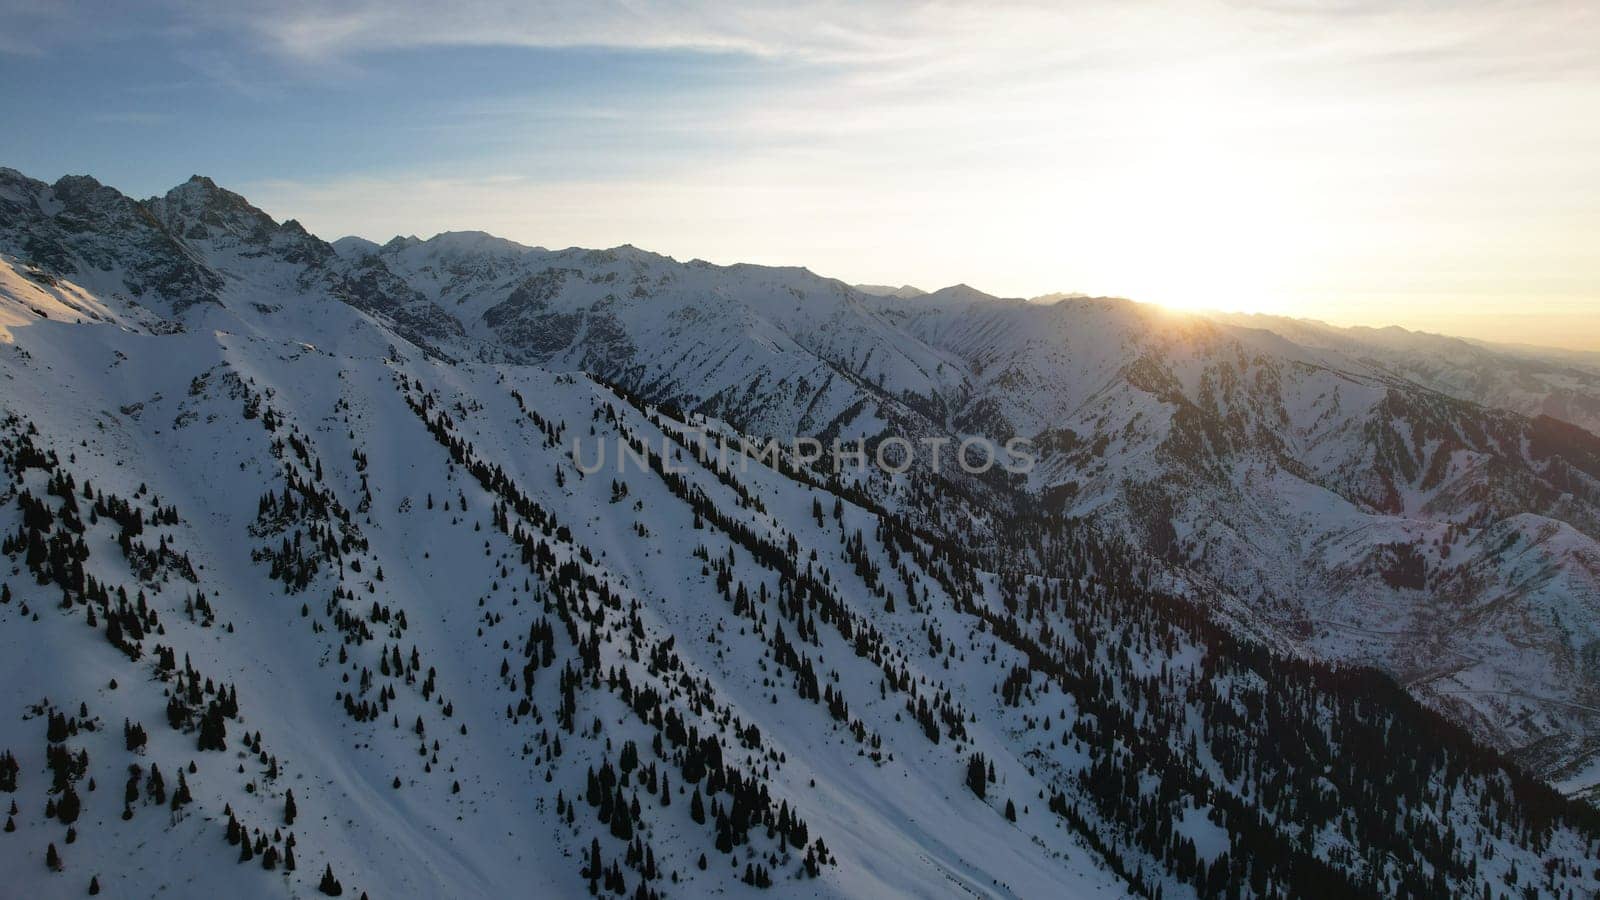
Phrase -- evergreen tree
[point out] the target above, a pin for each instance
(181, 796)
(977, 780)
(330, 885)
(156, 786)
(621, 818)
(213, 732)
(68, 808)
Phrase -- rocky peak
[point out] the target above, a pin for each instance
(199, 210)
(401, 242)
(15, 186)
(82, 196)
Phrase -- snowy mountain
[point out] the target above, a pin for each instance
(1533, 381)
(305, 520)
(1361, 516)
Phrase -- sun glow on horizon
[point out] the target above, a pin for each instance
(1427, 165)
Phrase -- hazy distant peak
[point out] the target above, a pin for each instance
(903, 292)
(960, 293)
(351, 246)
(481, 241)
(401, 242)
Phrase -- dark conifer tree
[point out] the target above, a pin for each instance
(977, 781)
(213, 732)
(181, 796)
(329, 884)
(67, 810)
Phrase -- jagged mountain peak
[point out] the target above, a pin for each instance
(80, 184)
(400, 242)
(196, 183)
(199, 210)
(85, 197)
(18, 188)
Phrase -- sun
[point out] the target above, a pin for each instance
(1209, 217)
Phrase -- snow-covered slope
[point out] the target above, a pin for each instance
(782, 351)
(308, 516)
(1365, 517)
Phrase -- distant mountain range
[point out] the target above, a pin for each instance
(1283, 610)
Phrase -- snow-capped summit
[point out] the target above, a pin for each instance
(351, 246)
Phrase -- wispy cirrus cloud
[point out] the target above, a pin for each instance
(906, 36)
(131, 117)
(1292, 156)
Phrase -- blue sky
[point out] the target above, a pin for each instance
(1424, 164)
(144, 112)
